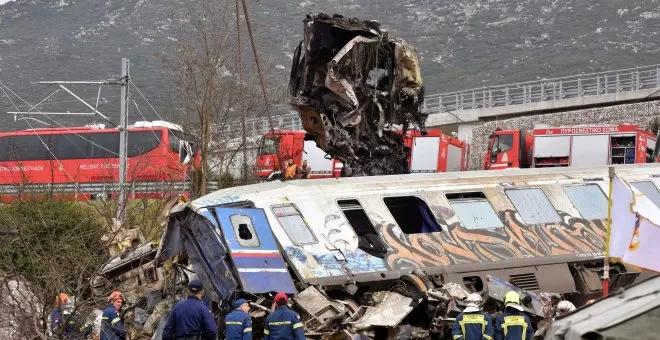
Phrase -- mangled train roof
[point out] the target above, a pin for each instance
(619, 316)
(277, 189)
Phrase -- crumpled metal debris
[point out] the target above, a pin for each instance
(388, 311)
(352, 84)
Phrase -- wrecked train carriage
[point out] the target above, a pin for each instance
(350, 81)
(356, 239)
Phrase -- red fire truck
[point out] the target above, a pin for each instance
(569, 146)
(433, 152)
(83, 162)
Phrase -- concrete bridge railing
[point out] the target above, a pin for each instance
(594, 84)
(473, 104)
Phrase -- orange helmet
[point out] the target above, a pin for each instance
(116, 295)
(62, 299)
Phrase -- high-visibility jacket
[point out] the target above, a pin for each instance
(111, 325)
(513, 325)
(238, 325)
(473, 326)
(283, 324)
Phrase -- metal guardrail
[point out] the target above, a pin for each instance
(593, 84)
(259, 126)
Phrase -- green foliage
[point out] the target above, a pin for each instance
(54, 245)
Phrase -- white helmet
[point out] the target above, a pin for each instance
(564, 307)
(473, 302)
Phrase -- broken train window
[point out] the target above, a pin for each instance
(412, 214)
(293, 224)
(649, 190)
(533, 206)
(474, 211)
(368, 239)
(244, 231)
(589, 200)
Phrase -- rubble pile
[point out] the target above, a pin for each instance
(353, 85)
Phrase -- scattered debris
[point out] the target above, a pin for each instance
(353, 84)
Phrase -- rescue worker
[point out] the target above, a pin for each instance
(473, 324)
(111, 326)
(290, 169)
(283, 323)
(191, 319)
(238, 323)
(304, 170)
(55, 318)
(513, 323)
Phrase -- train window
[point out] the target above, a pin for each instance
(4, 149)
(70, 146)
(649, 190)
(294, 225)
(29, 148)
(104, 145)
(368, 239)
(140, 142)
(474, 211)
(412, 214)
(533, 206)
(589, 200)
(244, 230)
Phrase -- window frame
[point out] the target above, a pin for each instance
(559, 219)
(250, 228)
(632, 184)
(420, 197)
(563, 187)
(295, 207)
(473, 199)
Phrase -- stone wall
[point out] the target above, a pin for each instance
(642, 114)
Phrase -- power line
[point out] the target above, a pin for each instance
(157, 115)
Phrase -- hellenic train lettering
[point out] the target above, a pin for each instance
(98, 166)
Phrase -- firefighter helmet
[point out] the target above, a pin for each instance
(473, 302)
(512, 299)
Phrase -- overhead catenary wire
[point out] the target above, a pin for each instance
(157, 114)
(78, 188)
(54, 121)
(48, 148)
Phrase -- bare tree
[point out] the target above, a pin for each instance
(216, 92)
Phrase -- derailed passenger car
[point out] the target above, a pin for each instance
(351, 82)
(396, 254)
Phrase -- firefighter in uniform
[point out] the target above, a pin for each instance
(283, 323)
(238, 323)
(513, 324)
(473, 324)
(111, 325)
(191, 319)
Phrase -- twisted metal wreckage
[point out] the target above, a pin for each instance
(354, 271)
(352, 84)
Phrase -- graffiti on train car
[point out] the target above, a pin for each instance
(458, 245)
(516, 241)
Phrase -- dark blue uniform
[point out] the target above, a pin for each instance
(238, 325)
(111, 325)
(473, 326)
(284, 324)
(513, 325)
(188, 318)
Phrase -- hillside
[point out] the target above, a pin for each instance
(462, 44)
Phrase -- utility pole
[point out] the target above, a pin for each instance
(123, 121)
(123, 138)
